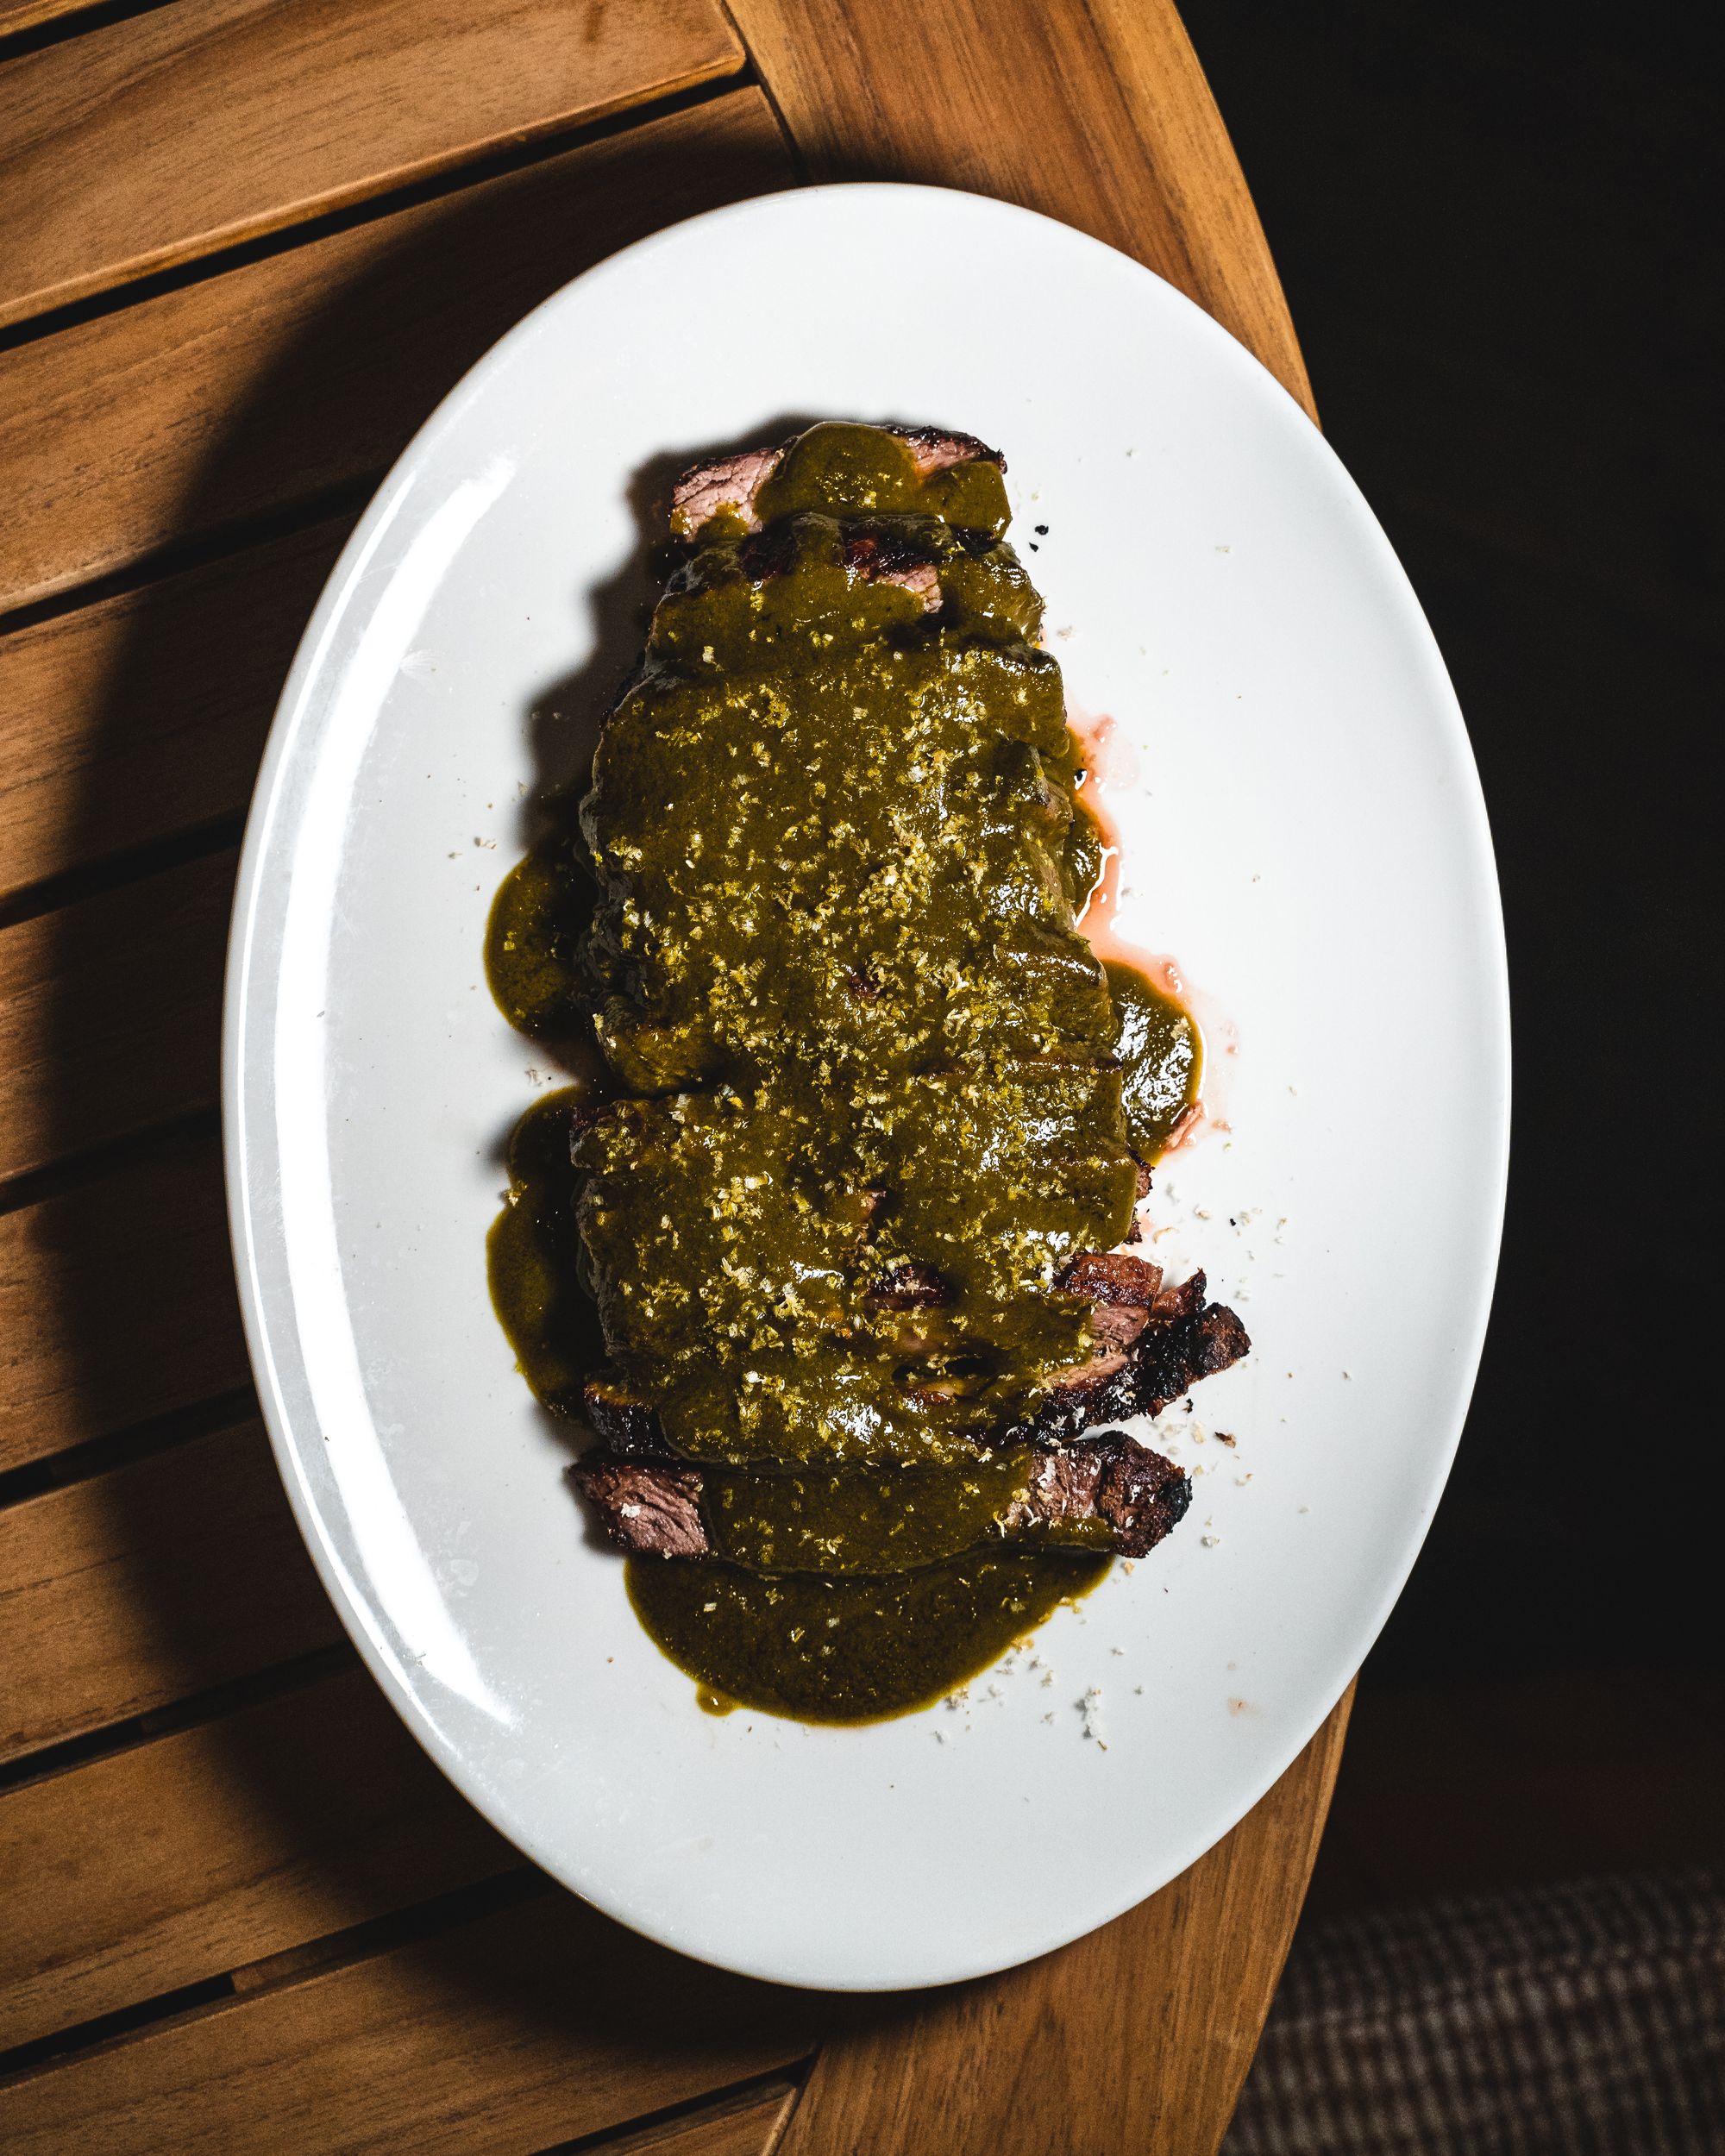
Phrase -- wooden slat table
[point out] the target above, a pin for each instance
(247, 244)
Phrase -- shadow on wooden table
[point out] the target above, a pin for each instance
(141, 1345)
(328, 388)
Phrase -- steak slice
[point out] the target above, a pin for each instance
(1141, 1496)
(653, 1508)
(1123, 1292)
(720, 483)
(873, 556)
(876, 555)
(1113, 1278)
(628, 1424)
(649, 1507)
(1183, 1340)
(733, 482)
(1150, 1352)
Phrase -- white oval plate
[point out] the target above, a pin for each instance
(1303, 827)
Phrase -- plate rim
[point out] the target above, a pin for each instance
(244, 1146)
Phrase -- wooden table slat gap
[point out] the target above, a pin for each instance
(209, 548)
(132, 728)
(228, 1410)
(109, 872)
(189, 1711)
(121, 165)
(28, 26)
(150, 1585)
(110, 1013)
(368, 1940)
(293, 377)
(514, 1882)
(270, 1830)
(116, 1299)
(60, 2045)
(287, 239)
(519, 2026)
(745, 2120)
(36, 1188)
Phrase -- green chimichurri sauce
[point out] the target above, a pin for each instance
(876, 1519)
(542, 908)
(819, 917)
(1161, 1058)
(533, 1258)
(850, 1650)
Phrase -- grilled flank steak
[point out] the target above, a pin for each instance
(856, 1217)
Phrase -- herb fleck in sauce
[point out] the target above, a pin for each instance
(827, 948)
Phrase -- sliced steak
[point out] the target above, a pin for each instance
(1145, 1357)
(882, 558)
(1204, 1346)
(1115, 1277)
(1121, 1291)
(654, 1508)
(938, 448)
(1184, 1340)
(1115, 1325)
(628, 1424)
(1141, 1496)
(722, 483)
(732, 482)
